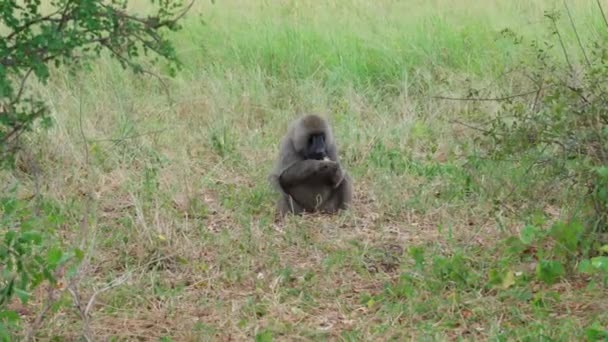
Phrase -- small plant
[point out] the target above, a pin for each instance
(30, 253)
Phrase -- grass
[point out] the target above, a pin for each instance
(176, 199)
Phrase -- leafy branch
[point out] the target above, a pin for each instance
(71, 34)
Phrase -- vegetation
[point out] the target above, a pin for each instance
(68, 33)
(475, 133)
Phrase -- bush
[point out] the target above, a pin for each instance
(64, 33)
(69, 33)
(557, 130)
(563, 122)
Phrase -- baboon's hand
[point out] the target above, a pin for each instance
(333, 170)
(327, 167)
(337, 177)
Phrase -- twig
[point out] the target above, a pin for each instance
(181, 15)
(538, 95)
(84, 312)
(162, 83)
(114, 283)
(149, 23)
(561, 43)
(578, 38)
(602, 12)
(30, 23)
(50, 299)
(21, 87)
(84, 137)
(469, 126)
(487, 98)
(19, 128)
(84, 229)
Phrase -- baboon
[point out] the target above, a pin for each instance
(308, 173)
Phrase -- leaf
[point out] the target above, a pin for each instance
(7, 291)
(9, 316)
(567, 234)
(9, 206)
(596, 332)
(586, 267)
(54, 256)
(72, 271)
(23, 295)
(33, 237)
(549, 271)
(264, 336)
(4, 335)
(508, 280)
(602, 194)
(79, 254)
(600, 263)
(602, 172)
(604, 249)
(417, 253)
(528, 234)
(9, 237)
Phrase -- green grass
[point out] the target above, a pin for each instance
(179, 198)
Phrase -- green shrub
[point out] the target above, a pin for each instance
(33, 38)
(563, 121)
(30, 252)
(69, 33)
(559, 128)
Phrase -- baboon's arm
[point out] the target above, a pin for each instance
(299, 172)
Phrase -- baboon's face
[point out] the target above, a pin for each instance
(316, 147)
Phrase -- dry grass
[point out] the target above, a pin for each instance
(175, 195)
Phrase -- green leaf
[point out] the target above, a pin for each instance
(9, 206)
(596, 332)
(33, 237)
(54, 256)
(8, 290)
(264, 336)
(508, 280)
(549, 271)
(600, 263)
(79, 254)
(9, 316)
(602, 194)
(528, 234)
(602, 172)
(9, 237)
(23, 295)
(417, 253)
(4, 335)
(568, 234)
(586, 267)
